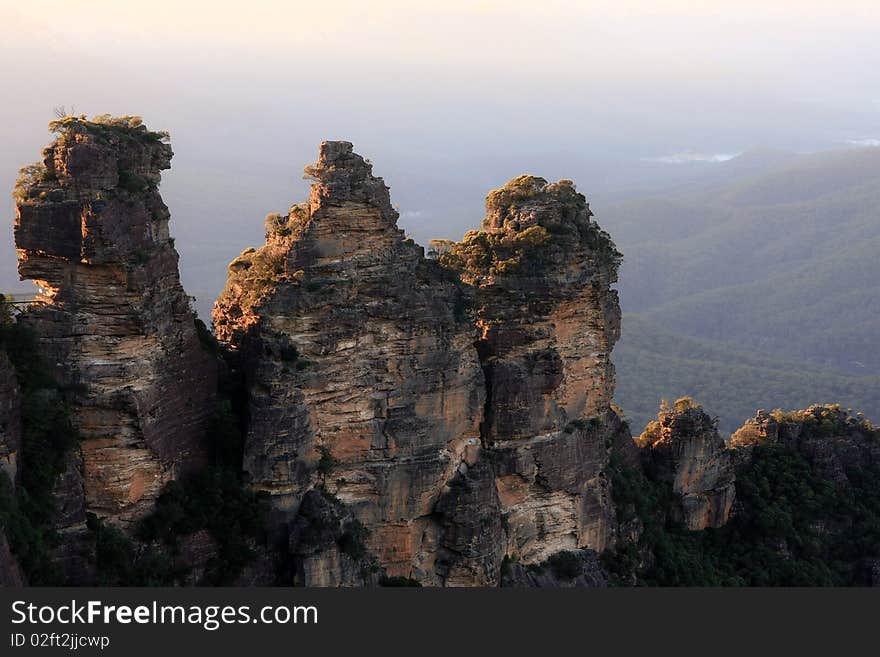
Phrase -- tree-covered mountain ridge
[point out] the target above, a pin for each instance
(775, 269)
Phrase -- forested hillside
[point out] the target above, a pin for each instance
(655, 363)
(760, 290)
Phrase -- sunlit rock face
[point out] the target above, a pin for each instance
(111, 316)
(458, 408)
(541, 273)
(683, 447)
(354, 349)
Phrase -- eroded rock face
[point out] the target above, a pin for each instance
(353, 349)
(554, 491)
(111, 316)
(684, 448)
(835, 442)
(459, 409)
(541, 272)
(10, 420)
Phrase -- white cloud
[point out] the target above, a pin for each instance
(689, 156)
(865, 141)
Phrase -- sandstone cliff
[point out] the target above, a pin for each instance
(683, 447)
(454, 437)
(442, 421)
(111, 316)
(541, 272)
(361, 376)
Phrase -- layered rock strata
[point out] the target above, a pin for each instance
(111, 317)
(683, 447)
(453, 444)
(541, 272)
(361, 373)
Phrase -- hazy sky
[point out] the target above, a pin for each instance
(447, 98)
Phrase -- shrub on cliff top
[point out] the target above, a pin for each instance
(105, 126)
(499, 254)
(517, 189)
(277, 225)
(528, 188)
(29, 176)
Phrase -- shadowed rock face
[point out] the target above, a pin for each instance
(10, 571)
(683, 447)
(10, 458)
(453, 444)
(541, 272)
(352, 347)
(111, 316)
(10, 420)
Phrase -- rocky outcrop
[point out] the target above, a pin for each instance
(10, 420)
(111, 316)
(452, 444)
(683, 447)
(541, 272)
(443, 421)
(362, 375)
(834, 442)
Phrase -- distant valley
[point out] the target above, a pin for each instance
(753, 286)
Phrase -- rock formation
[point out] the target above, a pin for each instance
(683, 447)
(365, 382)
(832, 440)
(362, 376)
(440, 421)
(541, 272)
(111, 316)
